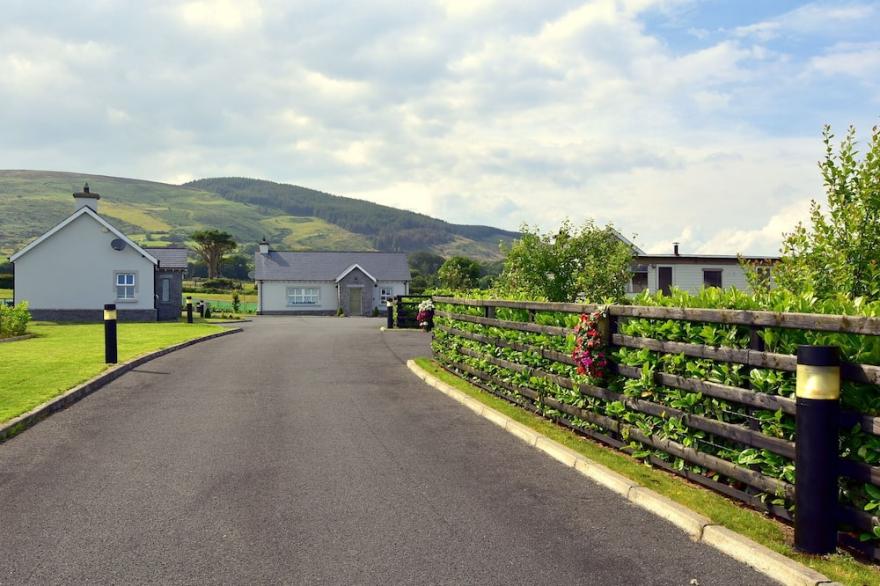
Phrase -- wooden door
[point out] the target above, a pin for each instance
(355, 296)
(664, 278)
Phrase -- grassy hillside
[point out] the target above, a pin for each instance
(292, 217)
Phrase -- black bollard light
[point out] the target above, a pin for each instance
(816, 449)
(189, 309)
(389, 307)
(110, 333)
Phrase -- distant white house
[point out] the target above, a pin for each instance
(84, 262)
(320, 283)
(690, 272)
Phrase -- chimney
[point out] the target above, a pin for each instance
(675, 248)
(264, 246)
(86, 198)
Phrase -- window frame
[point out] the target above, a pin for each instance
(133, 286)
(163, 282)
(714, 270)
(301, 296)
(386, 292)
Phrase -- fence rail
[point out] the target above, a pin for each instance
(723, 434)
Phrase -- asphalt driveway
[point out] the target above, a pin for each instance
(303, 451)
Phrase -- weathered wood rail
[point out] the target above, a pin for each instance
(473, 346)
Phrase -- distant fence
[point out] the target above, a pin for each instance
(693, 391)
(406, 308)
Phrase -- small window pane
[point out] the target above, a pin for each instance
(712, 278)
(166, 290)
(639, 282)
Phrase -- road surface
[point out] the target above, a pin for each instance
(303, 451)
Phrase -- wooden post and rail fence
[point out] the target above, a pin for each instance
(692, 408)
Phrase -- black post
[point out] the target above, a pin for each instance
(389, 307)
(110, 333)
(189, 309)
(816, 449)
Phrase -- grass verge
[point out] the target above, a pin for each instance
(840, 567)
(62, 356)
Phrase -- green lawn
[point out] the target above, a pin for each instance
(62, 356)
(839, 567)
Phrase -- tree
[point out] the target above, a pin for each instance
(840, 252)
(235, 267)
(211, 245)
(459, 273)
(425, 263)
(588, 263)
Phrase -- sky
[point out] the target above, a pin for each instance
(675, 120)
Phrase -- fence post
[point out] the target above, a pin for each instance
(400, 311)
(489, 311)
(389, 309)
(816, 449)
(110, 333)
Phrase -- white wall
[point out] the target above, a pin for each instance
(689, 277)
(75, 269)
(273, 296)
(398, 288)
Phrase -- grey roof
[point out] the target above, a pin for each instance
(326, 266)
(169, 258)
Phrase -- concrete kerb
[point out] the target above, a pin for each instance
(35, 415)
(698, 527)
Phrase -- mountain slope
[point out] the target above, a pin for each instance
(291, 217)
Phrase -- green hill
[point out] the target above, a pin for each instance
(292, 217)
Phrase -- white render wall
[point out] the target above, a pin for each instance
(689, 277)
(273, 295)
(75, 269)
(397, 287)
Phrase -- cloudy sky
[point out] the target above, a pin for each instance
(688, 120)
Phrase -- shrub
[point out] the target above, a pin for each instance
(14, 320)
(207, 310)
(375, 312)
(340, 312)
(222, 284)
(7, 281)
(236, 301)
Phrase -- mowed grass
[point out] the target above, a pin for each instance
(840, 567)
(62, 356)
(5, 293)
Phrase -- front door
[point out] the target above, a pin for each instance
(355, 295)
(664, 276)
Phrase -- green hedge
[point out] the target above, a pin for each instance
(14, 320)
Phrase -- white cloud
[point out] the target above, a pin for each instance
(223, 16)
(480, 112)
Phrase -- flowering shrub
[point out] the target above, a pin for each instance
(588, 353)
(14, 320)
(425, 316)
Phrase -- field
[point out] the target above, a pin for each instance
(291, 217)
(5, 293)
(62, 356)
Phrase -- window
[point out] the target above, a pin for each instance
(712, 278)
(386, 293)
(639, 280)
(125, 286)
(303, 295)
(165, 290)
